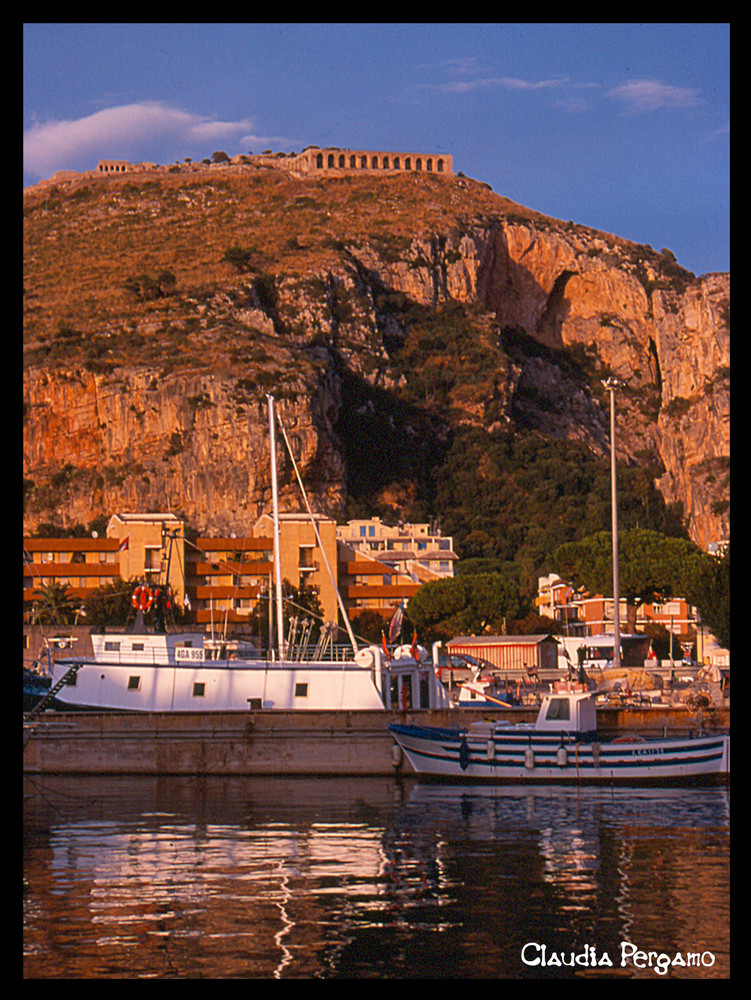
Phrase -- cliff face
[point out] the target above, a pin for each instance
(147, 405)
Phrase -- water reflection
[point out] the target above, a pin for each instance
(352, 878)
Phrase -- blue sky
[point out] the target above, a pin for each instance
(622, 127)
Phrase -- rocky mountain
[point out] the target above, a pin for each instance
(385, 314)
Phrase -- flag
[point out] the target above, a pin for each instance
(385, 647)
(124, 544)
(396, 623)
(186, 603)
(413, 652)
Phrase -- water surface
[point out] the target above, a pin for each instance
(322, 878)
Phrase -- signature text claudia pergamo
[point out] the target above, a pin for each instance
(588, 957)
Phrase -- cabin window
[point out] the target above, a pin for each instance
(558, 709)
(199, 689)
(111, 647)
(134, 683)
(254, 703)
(301, 690)
(137, 647)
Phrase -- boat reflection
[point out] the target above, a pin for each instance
(348, 878)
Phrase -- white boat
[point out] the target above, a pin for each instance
(185, 672)
(144, 671)
(561, 746)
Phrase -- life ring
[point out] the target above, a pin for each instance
(142, 598)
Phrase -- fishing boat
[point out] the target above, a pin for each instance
(562, 746)
(139, 670)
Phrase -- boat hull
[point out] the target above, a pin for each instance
(528, 757)
(209, 688)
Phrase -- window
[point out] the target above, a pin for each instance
(199, 689)
(152, 558)
(134, 683)
(559, 709)
(301, 690)
(112, 647)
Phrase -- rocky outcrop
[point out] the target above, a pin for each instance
(554, 307)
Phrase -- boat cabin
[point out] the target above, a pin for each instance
(567, 711)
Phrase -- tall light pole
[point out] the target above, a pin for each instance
(277, 539)
(611, 384)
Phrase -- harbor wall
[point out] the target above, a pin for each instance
(273, 742)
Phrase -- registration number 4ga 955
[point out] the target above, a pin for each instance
(188, 654)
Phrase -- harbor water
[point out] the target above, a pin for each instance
(371, 878)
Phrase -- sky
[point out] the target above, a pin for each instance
(624, 127)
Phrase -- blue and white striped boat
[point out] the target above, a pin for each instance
(561, 746)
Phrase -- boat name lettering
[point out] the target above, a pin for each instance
(188, 653)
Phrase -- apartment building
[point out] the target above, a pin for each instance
(367, 584)
(225, 577)
(218, 581)
(581, 614)
(415, 551)
(142, 546)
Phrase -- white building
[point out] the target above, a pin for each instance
(414, 550)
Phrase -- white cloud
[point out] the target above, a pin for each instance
(503, 82)
(150, 131)
(640, 96)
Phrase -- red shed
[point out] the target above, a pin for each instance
(524, 654)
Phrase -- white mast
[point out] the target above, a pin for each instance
(277, 555)
(611, 385)
(342, 609)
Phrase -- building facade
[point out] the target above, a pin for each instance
(217, 582)
(581, 614)
(415, 551)
(147, 547)
(315, 161)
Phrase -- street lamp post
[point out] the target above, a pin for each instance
(611, 384)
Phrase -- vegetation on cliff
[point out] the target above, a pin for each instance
(413, 328)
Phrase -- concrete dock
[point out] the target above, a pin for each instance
(276, 742)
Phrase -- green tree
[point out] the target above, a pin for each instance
(369, 625)
(298, 602)
(651, 566)
(110, 604)
(55, 606)
(465, 605)
(709, 589)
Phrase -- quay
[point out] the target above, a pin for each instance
(282, 743)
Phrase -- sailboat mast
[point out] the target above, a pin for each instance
(611, 384)
(277, 554)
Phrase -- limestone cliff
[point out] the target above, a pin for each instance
(144, 394)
